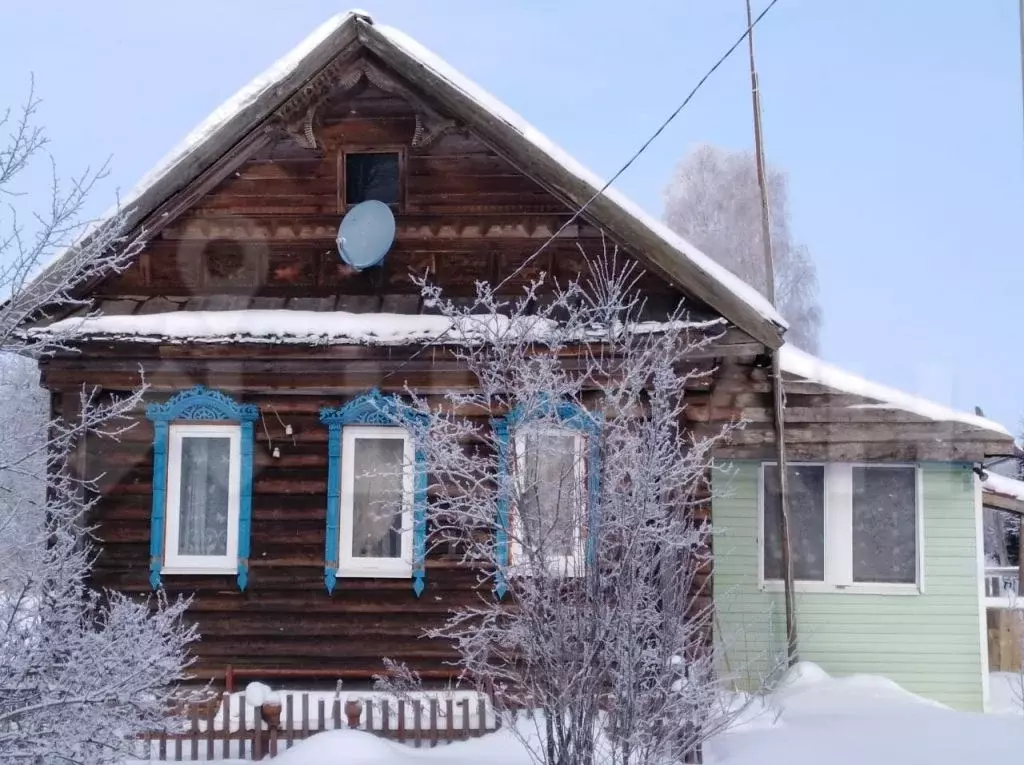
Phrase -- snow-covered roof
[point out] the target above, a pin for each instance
(1003, 486)
(254, 326)
(694, 271)
(498, 110)
(797, 362)
(250, 94)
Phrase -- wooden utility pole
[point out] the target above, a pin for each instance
(779, 398)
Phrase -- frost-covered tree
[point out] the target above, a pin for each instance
(82, 673)
(713, 201)
(568, 479)
(24, 411)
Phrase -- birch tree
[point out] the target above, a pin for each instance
(82, 673)
(714, 202)
(567, 479)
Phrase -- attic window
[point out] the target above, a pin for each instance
(372, 175)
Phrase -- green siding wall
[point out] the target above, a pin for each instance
(928, 643)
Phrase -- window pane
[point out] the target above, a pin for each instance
(806, 522)
(377, 497)
(203, 513)
(884, 525)
(551, 492)
(371, 176)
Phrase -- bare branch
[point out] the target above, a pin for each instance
(598, 486)
(82, 673)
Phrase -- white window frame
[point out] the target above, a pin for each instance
(383, 568)
(838, 533)
(175, 563)
(559, 565)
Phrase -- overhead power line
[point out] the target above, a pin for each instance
(629, 163)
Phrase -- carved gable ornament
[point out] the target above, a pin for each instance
(298, 115)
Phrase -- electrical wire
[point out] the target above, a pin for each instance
(629, 163)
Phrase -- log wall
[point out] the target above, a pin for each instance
(259, 233)
(285, 618)
(264, 236)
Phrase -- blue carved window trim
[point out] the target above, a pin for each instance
(374, 408)
(200, 404)
(561, 414)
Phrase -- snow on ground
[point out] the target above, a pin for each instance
(1006, 693)
(810, 719)
(814, 718)
(359, 748)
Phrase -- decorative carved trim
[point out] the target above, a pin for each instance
(374, 408)
(200, 403)
(430, 127)
(313, 92)
(303, 131)
(498, 226)
(297, 114)
(350, 78)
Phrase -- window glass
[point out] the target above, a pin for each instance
(371, 176)
(377, 501)
(203, 513)
(806, 522)
(551, 492)
(884, 524)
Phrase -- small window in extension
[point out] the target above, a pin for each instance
(372, 175)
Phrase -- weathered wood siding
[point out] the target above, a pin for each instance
(260, 234)
(264, 238)
(828, 425)
(285, 618)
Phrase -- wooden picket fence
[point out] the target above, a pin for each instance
(226, 727)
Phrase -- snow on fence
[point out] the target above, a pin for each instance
(227, 727)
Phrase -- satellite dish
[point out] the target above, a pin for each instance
(366, 234)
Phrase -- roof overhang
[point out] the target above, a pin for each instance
(1000, 492)
(626, 223)
(255, 105)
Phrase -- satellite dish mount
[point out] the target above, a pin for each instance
(366, 234)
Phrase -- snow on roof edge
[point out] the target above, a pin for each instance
(270, 78)
(306, 327)
(488, 102)
(802, 364)
(216, 120)
(244, 96)
(994, 483)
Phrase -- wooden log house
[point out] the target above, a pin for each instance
(239, 290)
